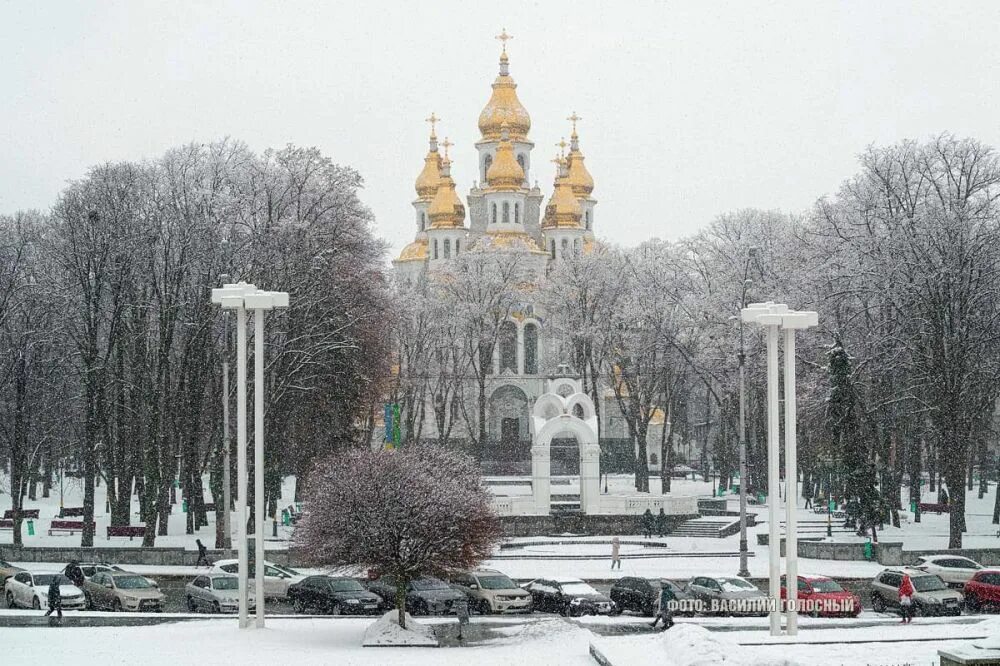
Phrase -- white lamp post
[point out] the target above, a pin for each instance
(242, 297)
(775, 316)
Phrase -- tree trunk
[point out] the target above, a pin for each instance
(401, 601)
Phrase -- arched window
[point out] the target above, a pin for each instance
(506, 212)
(486, 166)
(508, 346)
(520, 160)
(435, 248)
(457, 242)
(447, 248)
(578, 411)
(565, 246)
(530, 349)
(552, 247)
(588, 220)
(494, 213)
(423, 221)
(517, 213)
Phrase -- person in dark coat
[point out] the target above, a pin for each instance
(663, 611)
(74, 573)
(202, 554)
(648, 522)
(661, 523)
(55, 598)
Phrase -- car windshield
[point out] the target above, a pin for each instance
(497, 583)
(287, 570)
(826, 586)
(225, 583)
(346, 585)
(429, 584)
(577, 588)
(928, 583)
(735, 585)
(132, 583)
(46, 579)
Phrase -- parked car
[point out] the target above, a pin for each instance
(953, 570)
(568, 596)
(820, 596)
(983, 590)
(424, 596)
(642, 594)
(6, 571)
(334, 595)
(931, 595)
(728, 595)
(122, 591)
(31, 590)
(276, 580)
(91, 568)
(217, 593)
(490, 591)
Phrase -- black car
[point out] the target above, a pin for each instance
(568, 596)
(424, 596)
(641, 595)
(338, 596)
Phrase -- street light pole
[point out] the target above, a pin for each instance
(744, 550)
(227, 533)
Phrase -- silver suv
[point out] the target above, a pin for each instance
(490, 591)
(931, 595)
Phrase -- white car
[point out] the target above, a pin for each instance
(276, 578)
(952, 569)
(31, 590)
(216, 593)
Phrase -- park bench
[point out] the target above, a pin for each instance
(71, 512)
(25, 513)
(210, 508)
(130, 531)
(936, 508)
(71, 526)
(7, 524)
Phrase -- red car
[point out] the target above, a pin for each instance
(820, 596)
(983, 589)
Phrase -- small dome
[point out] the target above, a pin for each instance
(430, 177)
(504, 106)
(446, 210)
(415, 251)
(505, 173)
(579, 178)
(563, 209)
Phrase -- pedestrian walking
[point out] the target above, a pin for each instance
(74, 573)
(661, 523)
(55, 599)
(202, 554)
(615, 554)
(906, 599)
(648, 524)
(809, 501)
(663, 610)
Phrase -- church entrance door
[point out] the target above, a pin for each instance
(510, 429)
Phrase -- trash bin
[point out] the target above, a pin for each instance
(184, 506)
(31, 527)
(285, 519)
(868, 550)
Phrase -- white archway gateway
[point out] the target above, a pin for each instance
(555, 413)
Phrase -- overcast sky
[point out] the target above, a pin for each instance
(689, 109)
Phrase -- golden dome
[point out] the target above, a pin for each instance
(415, 251)
(430, 177)
(563, 210)
(515, 241)
(550, 207)
(504, 106)
(446, 210)
(579, 178)
(505, 173)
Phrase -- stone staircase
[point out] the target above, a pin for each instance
(565, 504)
(712, 527)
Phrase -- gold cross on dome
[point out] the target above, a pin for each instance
(504, 37)
(447, 144)
(573, 120)
(562, 146)
(433, 120)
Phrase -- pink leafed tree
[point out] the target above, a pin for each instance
(413, 512)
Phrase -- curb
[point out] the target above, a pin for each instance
(599, 657)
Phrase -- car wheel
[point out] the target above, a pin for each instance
(484, 607)
(972, 604)
(564, 610)
(10, 600)
(918, 610)
(298, 605)
(216, 608)
(116, 605)
(878, 604)
(35, 603)
(191, 605)
(335, 609)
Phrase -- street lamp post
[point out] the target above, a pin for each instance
(775, 317)
(242, 297)
(744, 550)
(227, 532)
